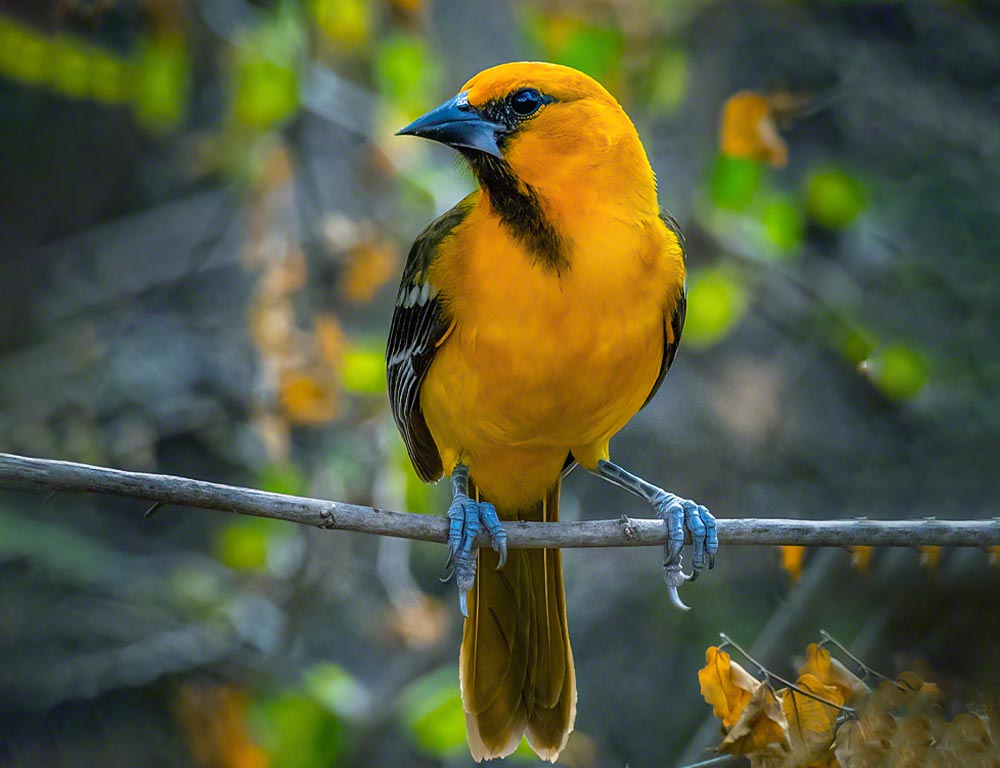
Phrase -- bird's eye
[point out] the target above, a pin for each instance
(525, 102)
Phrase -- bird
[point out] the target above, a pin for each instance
(533, 320)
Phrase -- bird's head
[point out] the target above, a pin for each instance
(547, 129)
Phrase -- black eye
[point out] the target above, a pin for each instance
(525, 102)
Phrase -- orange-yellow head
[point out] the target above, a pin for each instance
(549, 137)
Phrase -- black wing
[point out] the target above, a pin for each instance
(418, 326)
(677, 320)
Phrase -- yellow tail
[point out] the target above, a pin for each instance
(516, 665)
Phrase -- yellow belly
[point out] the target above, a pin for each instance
(540, 365)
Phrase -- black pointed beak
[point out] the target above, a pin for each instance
(457, 124)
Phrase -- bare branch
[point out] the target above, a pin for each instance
(21, 473)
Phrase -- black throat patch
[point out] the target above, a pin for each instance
(519, 209)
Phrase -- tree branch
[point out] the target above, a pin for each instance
(45, 476)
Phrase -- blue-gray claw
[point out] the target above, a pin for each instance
(680, 514)
(465, 517)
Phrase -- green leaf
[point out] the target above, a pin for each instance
(899, 371)
(363, 370)
(335, 688)
(669, 80)
(160, 93)
(716, 302)
(252, 543)
(24, 53)
(734, 181)
(70, 60)
(593, 50)
(111, 78)
(298, 732)
(345, 23)
(856, 344)
(833, 198)
(266, 93)
(266, 82)
(784, 224)
(406, 73)
(282, 478)
(432, 712)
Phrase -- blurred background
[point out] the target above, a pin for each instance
(203, 216)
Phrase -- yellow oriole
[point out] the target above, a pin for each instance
(534, 319)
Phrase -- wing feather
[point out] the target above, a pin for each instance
(419, 324)
(673, 326)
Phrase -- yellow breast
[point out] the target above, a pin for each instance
(540, 364)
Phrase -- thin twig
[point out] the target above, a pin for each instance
(156, 507)
(45, 475)
(716, 762)
(768, 674)
(828, 638)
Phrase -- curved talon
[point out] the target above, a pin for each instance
(675, 578)
(466, 516)
(500, 545)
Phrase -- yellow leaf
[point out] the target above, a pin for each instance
(909, 693)
(761, 726)
(369, 266)
(331, 341)
(747, 129)
(911, 681)
(810, 722)
(861, 558)
(792, 558)
(829, 671)
(306, 398)
(930, 557)
(725, 685)
(994, 556)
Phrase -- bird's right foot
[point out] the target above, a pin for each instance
(466, 516)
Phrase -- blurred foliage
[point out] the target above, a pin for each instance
(831, 718)
(204, 213)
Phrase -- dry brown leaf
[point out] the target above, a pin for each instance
(855, 747)
(792, 558)
(966, 735)
(747, 129)
(213, 719)
(419, 622)
(830, 671)
(761, 726)
(991, 708)
(810, 722)
(272, 327)
(726, 686)
(911, 743)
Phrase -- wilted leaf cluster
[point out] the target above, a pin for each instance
(831, 717)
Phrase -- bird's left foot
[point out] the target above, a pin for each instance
(466, 516)
(679, 515)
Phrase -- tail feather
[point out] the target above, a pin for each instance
(516, 664)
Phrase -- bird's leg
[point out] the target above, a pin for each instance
(465, 516)
(679, 514)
